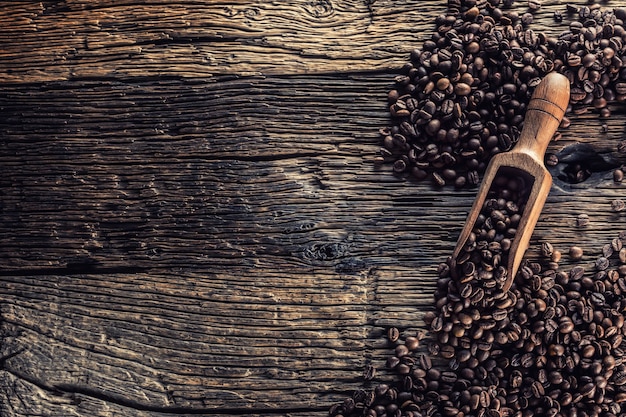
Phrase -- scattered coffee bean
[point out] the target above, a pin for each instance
(576, 253)
(534, 4)
(393, 334)
(369, 373)
(547, 249)
(582, 220)
(618, 205)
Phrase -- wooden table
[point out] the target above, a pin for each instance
(191, 219)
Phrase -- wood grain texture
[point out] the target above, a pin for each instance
(199, 39)
(189, 237)
(74, 39)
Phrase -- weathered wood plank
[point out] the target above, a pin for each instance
(197, 341)
(61, 40)
(126, 185)
(190, 39)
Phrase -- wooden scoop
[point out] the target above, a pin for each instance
(543, 116)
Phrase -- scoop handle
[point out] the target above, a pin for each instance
(543, 115)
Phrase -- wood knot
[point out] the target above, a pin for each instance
(325, 251)
(579, 162)
(319, 9)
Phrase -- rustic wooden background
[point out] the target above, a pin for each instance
(191, 222)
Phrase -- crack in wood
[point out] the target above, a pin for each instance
(74, 392)
(74, 269)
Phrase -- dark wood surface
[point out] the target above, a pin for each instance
(191, 220)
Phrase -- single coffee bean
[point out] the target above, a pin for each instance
(534, 5)
(393, 334)
(576, 253)
(369, 373)
(582, 220)
(618, 205)
(547, 249)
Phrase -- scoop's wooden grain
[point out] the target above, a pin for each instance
(545, 111)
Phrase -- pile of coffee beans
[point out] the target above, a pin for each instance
(552, 345)
(462, 97)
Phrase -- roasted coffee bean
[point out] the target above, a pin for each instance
(412, 343)
(582, 220)
(401, 351)
(602, 263)
(393, 334)
(447, 352)
(369, 373)
(437, 324)
(566, 325)
(392, 362)
(534, 4)
(576, 273)
(618, 205)
(425, 362)
(547, 249)
(576, 253)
